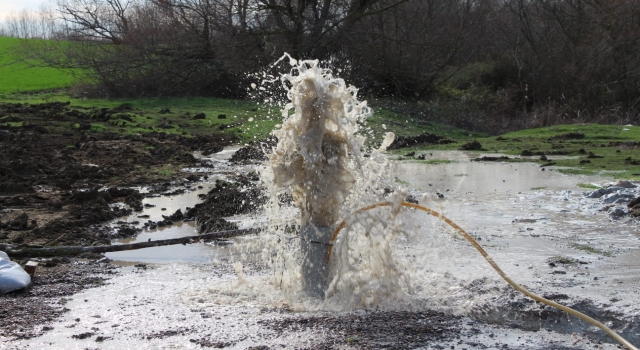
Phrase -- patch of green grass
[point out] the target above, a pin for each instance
(97, 128)
(248, 120)
(604, 149)
(590, 249)
(352, 339)
(577, 171)
(12, 124)
(401, 182)
(589, 186)
(163, 172)
(18, 74)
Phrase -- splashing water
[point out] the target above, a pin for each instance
(311, 157)
(319, 161)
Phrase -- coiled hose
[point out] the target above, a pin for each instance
(486, 256)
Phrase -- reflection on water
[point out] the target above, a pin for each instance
(196, 252)
(157, 207)
(464, 175)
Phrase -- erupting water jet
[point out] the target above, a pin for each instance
(316, 155)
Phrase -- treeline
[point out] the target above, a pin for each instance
(493, 63)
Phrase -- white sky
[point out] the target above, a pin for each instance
(13, 6)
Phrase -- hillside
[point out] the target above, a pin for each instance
(24, 75)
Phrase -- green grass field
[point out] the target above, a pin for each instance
(19, 75)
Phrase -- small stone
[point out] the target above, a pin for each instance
(617, 212)
(625, 184)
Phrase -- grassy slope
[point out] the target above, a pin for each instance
(17, 75)
(248, 120)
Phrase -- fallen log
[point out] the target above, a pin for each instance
(42, 251)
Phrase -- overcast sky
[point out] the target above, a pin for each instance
(13, 6)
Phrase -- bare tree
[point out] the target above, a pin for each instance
(407, 49)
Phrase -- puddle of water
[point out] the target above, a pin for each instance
(157, 207)
(195, 252)
(483, 177)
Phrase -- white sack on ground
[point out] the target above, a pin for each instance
(12, 276)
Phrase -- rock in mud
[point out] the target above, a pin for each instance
(625, 184)
(254, 152)
(420, 140)
(618, 197)
(471, 146)
(617, 213)
(621, 193)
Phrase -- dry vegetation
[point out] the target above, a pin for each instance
(478, 64)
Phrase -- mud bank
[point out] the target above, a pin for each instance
(63, 183)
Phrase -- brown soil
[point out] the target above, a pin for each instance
(254, 152)
(227, 199)
(60, 185)
(420, 140)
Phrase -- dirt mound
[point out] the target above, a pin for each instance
(227, 199)
(568, 136)
(420, 140)
(254, 152)
(474, 145)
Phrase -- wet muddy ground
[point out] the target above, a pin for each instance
(62, 184)
(69, 195)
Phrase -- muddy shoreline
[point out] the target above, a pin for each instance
(61, 183)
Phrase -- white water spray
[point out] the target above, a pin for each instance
(320, 162)
(311, 158)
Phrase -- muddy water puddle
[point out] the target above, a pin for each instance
(524, 217)
(157, 207)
